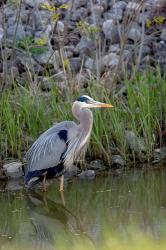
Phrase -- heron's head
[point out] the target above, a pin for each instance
(86, 101)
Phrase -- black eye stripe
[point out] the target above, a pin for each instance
(82, 99)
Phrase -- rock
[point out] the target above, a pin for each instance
(83, 79)
(117, 161)
(13, 169)
(17, 31)
(48, 57)
(159, 155)
(3, 177)
(113, 14)
(90, 64)
(80, 3)
(87, 174)
(163, 35)
(110, 30)
(1, 34)
(119, 5)
(135, 32)
(22, 62)
(14, 72)
(79, 14)
(97, 13)
(86, 46)
(111, 60)
(33, 3)
(75, 63)
(74, 170)
(117, 10)
(134, 143)
(96, 165)
(115, 48)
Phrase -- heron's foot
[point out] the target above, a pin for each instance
(61, 189)
(43, 189)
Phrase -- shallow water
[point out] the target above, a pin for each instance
(114, 204)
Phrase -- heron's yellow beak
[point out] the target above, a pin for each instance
(97, 105)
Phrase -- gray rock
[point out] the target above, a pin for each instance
(117, 160)
(86, 46)
(135, 32)
(26, 61)
(80, 3)
(111, 60)
(159, 154)
(97, 12)
(74, 170)
(82, 79)
(87, 174)
(79, 14)
(90, 64)
(115, 48)
(13, 169)
(1, 34)
(126, 56)
(33, 3)
(9, 11)
(114, 14)
(96, 165)
(14, 72)
(135, 143)
(17, 31)
(119, 5)
(163, 35)
(75, 63)
(48, 57)
(117, 10)
(110, 30)
(37, 22)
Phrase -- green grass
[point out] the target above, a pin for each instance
(143, 111)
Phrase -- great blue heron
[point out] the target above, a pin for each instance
(57, 148)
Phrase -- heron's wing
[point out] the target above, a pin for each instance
(48, 149)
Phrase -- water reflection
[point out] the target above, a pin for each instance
(114, 204)
(52, 220)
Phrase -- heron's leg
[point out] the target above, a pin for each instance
(44, 183)
(61, 184)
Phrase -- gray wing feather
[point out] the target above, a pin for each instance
(47, 150)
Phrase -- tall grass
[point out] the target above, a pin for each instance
(142, 110)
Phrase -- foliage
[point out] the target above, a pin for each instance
(87, 30)
(33, 46)
(142, 111)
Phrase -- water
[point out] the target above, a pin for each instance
(114, 204)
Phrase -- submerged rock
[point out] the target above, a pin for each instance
(13, 169)
(159, 155)
(87, 174)
(96, 165)
(74, 170)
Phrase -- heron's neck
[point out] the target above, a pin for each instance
(84, 116)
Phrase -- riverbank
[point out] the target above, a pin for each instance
(134, 129)
(51, 53)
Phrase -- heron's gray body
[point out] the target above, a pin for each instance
(46, 152)
(57, 148)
